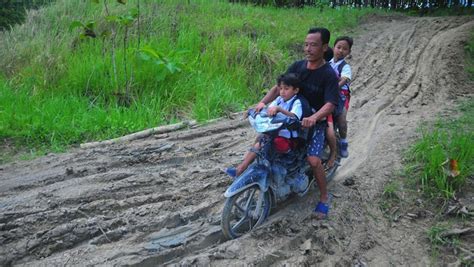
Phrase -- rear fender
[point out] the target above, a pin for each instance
(254, 175)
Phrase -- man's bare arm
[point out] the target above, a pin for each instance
(322, 113)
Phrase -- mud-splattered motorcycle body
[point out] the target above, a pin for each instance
(272, 178)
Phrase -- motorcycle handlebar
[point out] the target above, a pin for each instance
(276, 122)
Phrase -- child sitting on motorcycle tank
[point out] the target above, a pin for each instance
(288, 103)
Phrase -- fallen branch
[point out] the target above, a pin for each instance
(465, 251)
(142, 134)
(457, 232)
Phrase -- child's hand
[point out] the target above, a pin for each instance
(271, 111)
(259, 106)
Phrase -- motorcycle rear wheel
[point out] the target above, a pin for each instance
(242, 212)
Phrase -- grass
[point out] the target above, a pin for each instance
(390, 190)
(57, 89)
(437, 241)
(429, 175)
(429, 159)
(390, 200)
(437, 236)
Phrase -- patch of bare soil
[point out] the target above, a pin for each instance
(158, 200)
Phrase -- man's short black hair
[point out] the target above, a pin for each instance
(290, 79)
(344, 38)
(325, 34)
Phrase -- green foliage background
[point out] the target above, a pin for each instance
(57, 88)
(13, 11)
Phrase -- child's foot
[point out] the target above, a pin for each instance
(321, 211)
(343, 149)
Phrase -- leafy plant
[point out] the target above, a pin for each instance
(125, 21)
(166, 64)
(87, 28)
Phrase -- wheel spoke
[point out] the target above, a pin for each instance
(250, 223)
(240, 208)
(239, 223)
(249, 200)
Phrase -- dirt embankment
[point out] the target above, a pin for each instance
(158, 200)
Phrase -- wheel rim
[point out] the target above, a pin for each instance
(248, 210)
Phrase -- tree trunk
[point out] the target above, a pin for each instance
(393, 4)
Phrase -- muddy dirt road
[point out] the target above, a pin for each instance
(158, 200)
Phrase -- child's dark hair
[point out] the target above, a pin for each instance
(290, 79)
(344, 38)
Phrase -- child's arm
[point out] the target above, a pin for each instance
(272, 110)
(343, 81)
(346, 75)
(284, 111)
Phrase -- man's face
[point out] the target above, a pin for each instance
(313, 47)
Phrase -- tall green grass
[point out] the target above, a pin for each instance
(428, 160)
(60, 120)
(58, 89)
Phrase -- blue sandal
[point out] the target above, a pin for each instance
(322, 208)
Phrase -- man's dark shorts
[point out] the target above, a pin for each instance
(316, 144)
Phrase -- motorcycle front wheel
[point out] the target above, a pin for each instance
(244, 211)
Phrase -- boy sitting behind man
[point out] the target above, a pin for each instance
(342, 48)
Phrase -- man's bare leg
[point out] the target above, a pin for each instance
(320, 176)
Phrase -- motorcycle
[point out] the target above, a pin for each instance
(270, 179)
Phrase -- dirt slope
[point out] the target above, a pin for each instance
(158, 200)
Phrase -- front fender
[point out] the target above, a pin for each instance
(254, 175)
